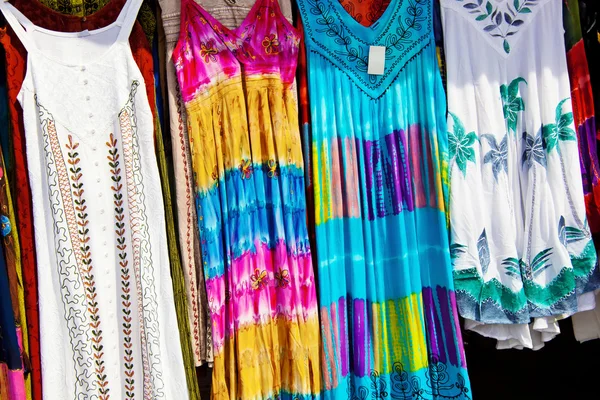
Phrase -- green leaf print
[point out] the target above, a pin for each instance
(506, 45)
(512, 267)
(540, 262)
(574, 234)
(512, 103)
(456, 250)
(560, 130)
(461, 144)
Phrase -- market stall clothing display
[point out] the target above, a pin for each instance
(388, 310)
(249, 180)
(230, 14)
(88, 169)
(521, 243)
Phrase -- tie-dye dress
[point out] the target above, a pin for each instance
(379, 160)
(249, 179)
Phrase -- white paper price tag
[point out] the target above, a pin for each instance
(376, 60)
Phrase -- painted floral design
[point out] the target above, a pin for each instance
(283, 278)
(498, 154)
(246, 169)
(534, 150)
(271, 44)
(512, 103)
(208, 51)
(272, 168)
(259, 279)
(501, 20)
(559, 131)
(461, 144)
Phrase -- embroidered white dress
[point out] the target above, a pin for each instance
(521, 246)
(107, 316)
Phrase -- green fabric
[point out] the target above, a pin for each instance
(181, 307)
(571, 23)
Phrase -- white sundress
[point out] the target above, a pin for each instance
(521, 247)
(107, 316)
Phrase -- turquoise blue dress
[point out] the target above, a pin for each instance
(379, 166)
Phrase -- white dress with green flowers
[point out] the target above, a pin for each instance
(521, 246)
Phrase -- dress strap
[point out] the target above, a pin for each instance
(20, 24)
(127, 18)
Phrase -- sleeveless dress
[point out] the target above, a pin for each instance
(521, 243)
(106, 301)
(388, 312)
(249, 179)
(230, 13)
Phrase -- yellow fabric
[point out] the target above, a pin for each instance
(219, 131)
(285, 366)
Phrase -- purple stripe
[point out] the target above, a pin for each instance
(380, 195)
(442, 294)
(393, 167)
(360, 340)
(428, 310)
(459, 339)
(368, 146)
(343, 338)
(405, 170)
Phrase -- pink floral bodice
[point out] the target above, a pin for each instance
(209, 53)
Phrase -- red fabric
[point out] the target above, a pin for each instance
(583, 115)
(16, 58)
(365, 12)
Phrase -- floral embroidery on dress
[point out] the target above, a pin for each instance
(259, 279)
(121, 244)
(208, 51)
(86, 267)
(271, 44)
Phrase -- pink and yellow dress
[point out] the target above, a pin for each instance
(249, 179)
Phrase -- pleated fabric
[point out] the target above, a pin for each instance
(379, 174)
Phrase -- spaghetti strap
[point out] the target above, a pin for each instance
(127, 18)
(20, 24)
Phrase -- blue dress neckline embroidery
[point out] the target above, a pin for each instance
(405, 34)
